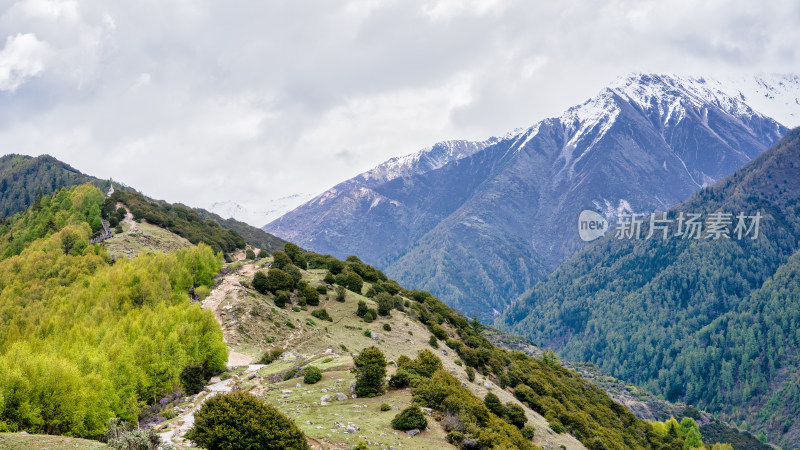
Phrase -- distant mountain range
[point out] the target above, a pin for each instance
(266, 213)
(478, 223)
(709, 322)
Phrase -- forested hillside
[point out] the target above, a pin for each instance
(23, 178)
(712, 322)
(84, 338)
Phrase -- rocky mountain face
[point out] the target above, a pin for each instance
(483, 223)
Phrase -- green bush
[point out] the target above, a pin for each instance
(433, 342)
(322, 314)
(280, 260)
(260, 282)
(278, 280)
(322, 290)
(455, 438)
(250, 254)
(470, 374)
(281, 298)
(385, 303)
(494, 405)
(527, 432)
(439, 332)
(362, 309)
(290, 324)
(399, 380)
(427, 363)
(341, 294)
(262, 254)
(311, 375)
(370, 370)
(271, 355)
(385, 407)
(310, 295)
(409, 419)
(368, 333)
(329, 278)
(387, 327)
(515, 415)
(239, 420)
(369, 316)
(295, 273)
(350, 280)
(193, 378)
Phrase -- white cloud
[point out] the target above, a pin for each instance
(22, 57)
(209, 101)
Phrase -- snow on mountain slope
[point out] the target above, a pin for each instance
(478, 223)
(265, 213)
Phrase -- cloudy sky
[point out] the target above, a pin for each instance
(199, 101)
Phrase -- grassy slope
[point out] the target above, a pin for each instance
(23, 441)
(251, 321)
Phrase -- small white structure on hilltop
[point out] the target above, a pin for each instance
(110, 190)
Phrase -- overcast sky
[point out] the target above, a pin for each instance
(199, 101)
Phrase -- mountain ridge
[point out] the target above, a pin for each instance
(708, 322)
(646, 142)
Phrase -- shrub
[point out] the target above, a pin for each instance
(296, 309)
(239, 420)
(515, 415)
(278, 280)
(119, 437)
(385, 303)
(249, 254)
(470, 374)
(368, 333)
(281, 297)
(262, 253)
(387, 327)
(193, 378)
(370, 370)
(362, 308)
(335, 266)
(260, 282)
(322, 314)
(311, 375)
(322, 290)
(433, 342)
(329, 278)
(385, 407)
(295, 273)
(439, 332)
(280, 260)
(427, 363)
(341, 294)
(399, 380)
(118, 229)
(343, 347)
(310, 295)
(556, 426)
(369, 316)
(527, 432)
(411, 418)
(455, 438)
(350, 280)
(492, 402)
(290, 324)
(271, 355)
